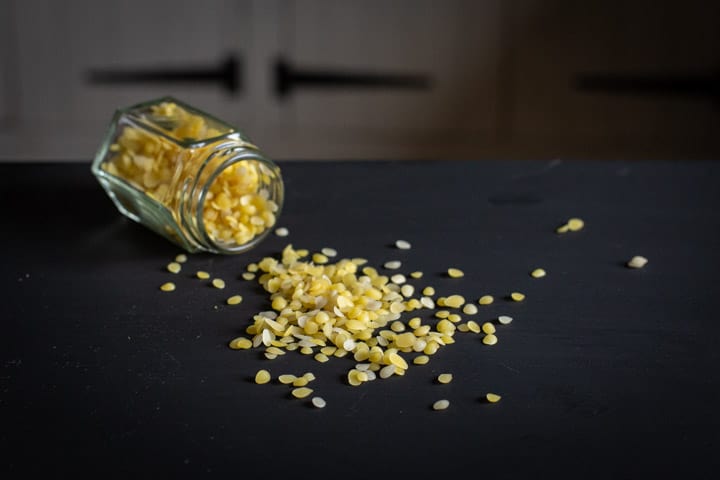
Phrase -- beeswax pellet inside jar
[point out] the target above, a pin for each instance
(189, 162)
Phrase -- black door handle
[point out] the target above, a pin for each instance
(289, 78)
(690, 85)
(227, 75)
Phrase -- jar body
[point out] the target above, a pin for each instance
(189, 177)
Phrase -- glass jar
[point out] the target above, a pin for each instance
(188, 176)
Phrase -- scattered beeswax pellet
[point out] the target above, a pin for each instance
(538, 273)
(397, 360)
(181, 258)
(454, 301)
(427, 302)
(575, 224)
(282, 232)
(319, 258)
(469, 309)
(329, 252)
(445, 378)
(321, 357)
(492, 397)
(563, 228)
(416, 274)
(504, 319)
(405, 340)
(301, 392)
(455, 273)
(393, 264)
(248, 276)
(218, 283)
(262, 376)
(252, 268)
(286, 378)
(397, 326)
(441, 404)
(637, 262)
(486, 300)
(517, 296)
(403, 244)
(488, 328)
(300, 382)
(353, 378)
(234, 300)
(421, 360)
(318, 402)
(202, 275)
(174, 267)
(240, 343)
(167, 287)
(387, 371)
(428, 291)
(398, 279)
(489, 339)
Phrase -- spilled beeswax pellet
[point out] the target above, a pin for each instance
(167, 287)
(441, 404)
(286, 378)
(262, 376)
(492, 397)
(234, 300)
(486, 300)
(575, 224)
(402, 244)
(455, 273)
(504, 319)
(538, 273)
(240, 343)
(490, 339)
(517, 296)
(637, 262)
(445, 378)
(301, 392)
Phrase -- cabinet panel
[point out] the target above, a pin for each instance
(61, 43)
(453, 43)
(556, 46)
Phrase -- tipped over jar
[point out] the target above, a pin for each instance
(189, 176)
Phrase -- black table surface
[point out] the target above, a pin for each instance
(605, 372)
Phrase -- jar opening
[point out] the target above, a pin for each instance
(238, 203)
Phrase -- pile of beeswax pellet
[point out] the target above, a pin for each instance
(237, 208)
(348, 308)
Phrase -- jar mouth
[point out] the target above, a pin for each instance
(239, 202)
